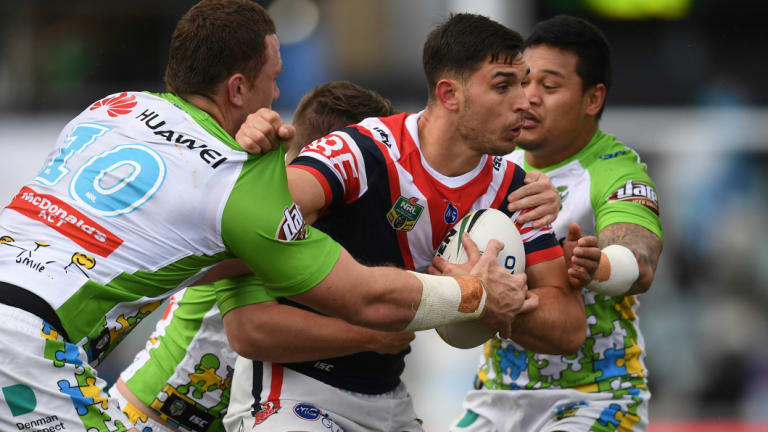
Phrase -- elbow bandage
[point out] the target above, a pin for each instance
(446, 300)
(617, 271)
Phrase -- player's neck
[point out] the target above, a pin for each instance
(215, 110)
(442, 146)
(554, 153)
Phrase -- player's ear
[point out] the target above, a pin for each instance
(447, 94)
(235, 88)
(594, 99)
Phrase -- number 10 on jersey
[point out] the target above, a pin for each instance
(111, 183)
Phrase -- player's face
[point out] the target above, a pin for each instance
(557, 102)
(493, 104)
(264, 89)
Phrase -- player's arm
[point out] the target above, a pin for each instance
(645, 248)
(558, 324)
(628, 232)
(307, 192)
(268, 331)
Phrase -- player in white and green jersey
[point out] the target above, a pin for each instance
(605, 189)
(143, 193)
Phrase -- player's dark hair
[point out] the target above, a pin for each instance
(461, 44)
(336, 104)
(215, 39)
(582, 38)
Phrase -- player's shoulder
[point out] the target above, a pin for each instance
(386, 130)
(607, 149)
(390, 133)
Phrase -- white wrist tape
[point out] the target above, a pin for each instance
(446, 300)
(617, 271)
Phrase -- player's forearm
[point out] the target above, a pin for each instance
(381, 298)
(557, 326)
(285, 334)
(644, 244)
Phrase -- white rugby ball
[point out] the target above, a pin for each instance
(482, 226)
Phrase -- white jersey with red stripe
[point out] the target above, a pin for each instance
(386, 205)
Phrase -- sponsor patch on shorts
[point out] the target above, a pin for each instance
(306, 411)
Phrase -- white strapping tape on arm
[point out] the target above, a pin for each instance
(446, 300)
(623, 271)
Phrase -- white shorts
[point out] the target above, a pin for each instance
(290, 401)
(552, 410)
(137, 419)
(46, 384)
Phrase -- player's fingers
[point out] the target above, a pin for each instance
(270, 116)
(588, 242)
(433, 271)
(252, 140)
(591, 253)
(470, 247)
(574, 231)
(493, 248)
(531, 302)
(256, 134)
(539, 216)
(286, 132)
(438, 266)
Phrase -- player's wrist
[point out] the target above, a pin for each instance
(447, 299)
(616, 273)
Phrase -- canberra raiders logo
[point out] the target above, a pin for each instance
(404, 214)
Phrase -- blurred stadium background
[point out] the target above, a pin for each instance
(689, 94)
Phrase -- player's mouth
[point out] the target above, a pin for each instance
(514, 131)
(530, 120)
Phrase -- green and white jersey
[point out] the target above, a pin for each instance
(184, 372)
(604, 183)
(140, 196)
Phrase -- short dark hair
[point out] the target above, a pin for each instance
(215, 39)
(463, 42)
(582, 38)
(336, 104)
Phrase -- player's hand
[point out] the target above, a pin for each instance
(441, 267)
(539, 196)
(506, 294)
(389, 342)
(262, 132)
(582, 256)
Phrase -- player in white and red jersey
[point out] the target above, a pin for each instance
(389, 189)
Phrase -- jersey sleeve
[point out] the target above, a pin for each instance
(239, 291)
(540, 243)
(341, 162)
(262, 226)
(624, 193)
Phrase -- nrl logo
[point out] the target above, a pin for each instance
(404, 214)
(292, 226)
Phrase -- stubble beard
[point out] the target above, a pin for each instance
(476, 137)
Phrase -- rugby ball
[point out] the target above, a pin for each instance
(482, 226)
